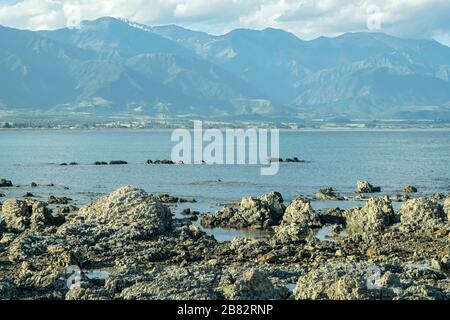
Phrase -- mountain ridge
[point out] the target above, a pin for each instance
(111, 66)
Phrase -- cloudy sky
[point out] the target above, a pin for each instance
(306, 18)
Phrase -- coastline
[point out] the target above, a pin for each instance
(171, 257)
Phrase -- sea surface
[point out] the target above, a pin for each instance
(390, 159)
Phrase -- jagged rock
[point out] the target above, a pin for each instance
(288, 233)
(20, 215)
(16, 214)
(297, 221)
(365, 187)
(410, 189)
(5, 183)
(250, 285)
(328, 194)
(300, 212)
(375, 216)
(421, 213)
(42, 217)
(261, 213)
(34, 184)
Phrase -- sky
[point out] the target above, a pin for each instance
(307, 19)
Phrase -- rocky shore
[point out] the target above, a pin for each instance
(129, 245)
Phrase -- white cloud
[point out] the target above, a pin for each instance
(306, 18)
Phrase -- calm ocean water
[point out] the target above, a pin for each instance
(390, 159)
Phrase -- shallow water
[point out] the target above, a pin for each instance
(390, 159)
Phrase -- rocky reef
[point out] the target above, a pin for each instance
(129, 245)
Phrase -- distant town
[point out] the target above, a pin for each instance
(188, 123)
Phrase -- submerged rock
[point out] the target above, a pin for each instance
(118, 162)
(328, 194)
(375, 216)
(410, 189)
(56, 200)
(5, 183)
(421, 213)
(259, 213)
(165, 198)
(365, 187)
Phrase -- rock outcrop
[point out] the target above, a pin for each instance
(298, 219)
(20, 215)
(131, 208)
(421, 213)
(365, 187)
(375, 216)
(259, 213)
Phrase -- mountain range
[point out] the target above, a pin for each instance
(110, 66)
